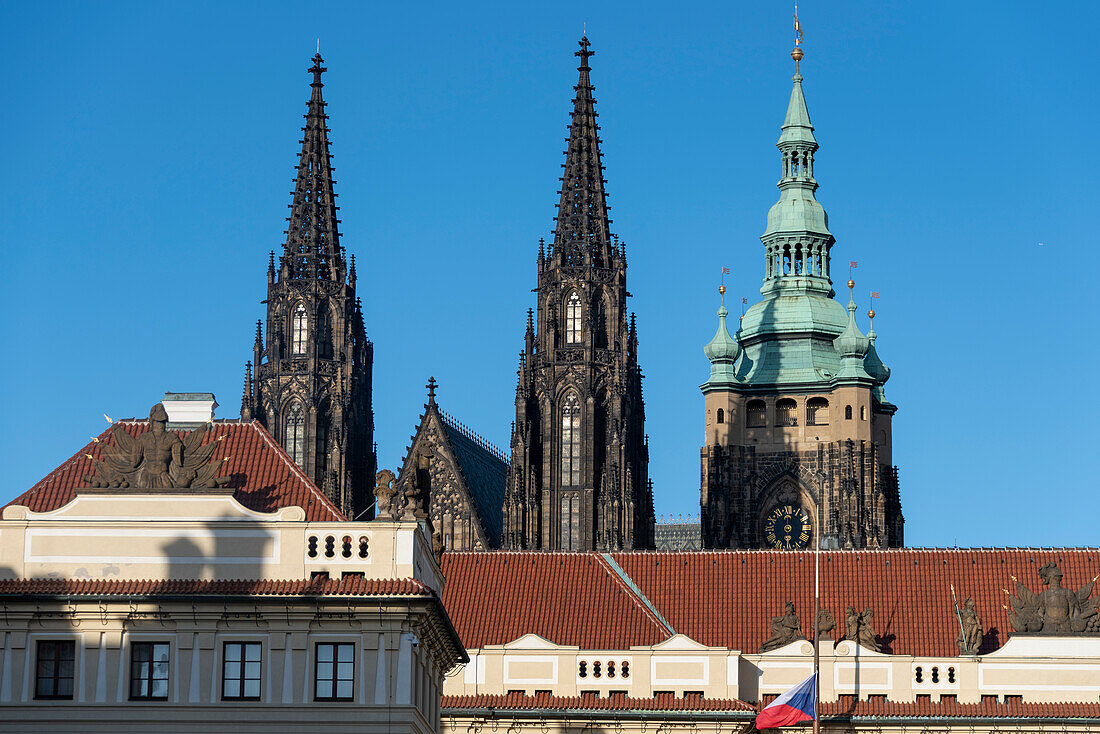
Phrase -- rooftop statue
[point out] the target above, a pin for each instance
(157, 459)
(1055, 610)
(785, 629)
(859, 629)
(970, 633)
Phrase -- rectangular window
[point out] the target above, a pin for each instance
(241, 671)
(334, 676)
(56, 664)
(149, 671)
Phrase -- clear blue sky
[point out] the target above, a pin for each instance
(149, 149)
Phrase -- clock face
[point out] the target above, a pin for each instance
(787, 527)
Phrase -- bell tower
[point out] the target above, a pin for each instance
(797, 442)
(309, 381)
(578, 478)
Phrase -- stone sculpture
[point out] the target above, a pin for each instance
(825, 623)
(1056, 610)
(970, 636)
(384, 492)
(785, 629)
(157, 459)
(859, 629)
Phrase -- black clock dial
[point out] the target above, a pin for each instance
(787, 527)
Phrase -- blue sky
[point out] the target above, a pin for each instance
(150, 147)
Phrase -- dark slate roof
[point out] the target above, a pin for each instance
(678, 536)
(263, 477)
(484, 470)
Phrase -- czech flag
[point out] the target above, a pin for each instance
(793, 707)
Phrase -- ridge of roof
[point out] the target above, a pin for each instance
(626, 581)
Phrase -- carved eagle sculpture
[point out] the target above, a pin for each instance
(1026, 609)
(157, 459)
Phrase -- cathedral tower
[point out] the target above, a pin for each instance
(578, 478)
(310, 382)
(798, 428)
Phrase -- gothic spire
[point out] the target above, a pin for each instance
(582, 235)
(312, 248)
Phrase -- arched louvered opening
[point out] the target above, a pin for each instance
(817, 412)
(786, 412)
(756, 414)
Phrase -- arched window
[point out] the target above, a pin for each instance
(786, 412)
(817, 412)
(847, 412)
(756, 414)
(294, 436)
(863, 412)
(571, 442)
(721, 416)
(321, 457)
(601, 324)
(573, 320)
(324, 333)
(299, 329)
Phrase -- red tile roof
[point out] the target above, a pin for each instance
(263, 476)
(948, 706)
(567, 598)
(588, 702)
(846, 708)
(344, 586)
(727, 598)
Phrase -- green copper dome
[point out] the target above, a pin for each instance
(873, 366)
(722, 351)
(851, 345)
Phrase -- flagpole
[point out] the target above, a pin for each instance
(817, 612)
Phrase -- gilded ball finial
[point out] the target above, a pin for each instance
(722, 290)
(796, 54)
(871, 314)
(851, 283)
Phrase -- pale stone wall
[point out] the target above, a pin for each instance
(403, 645)
(1038, 669)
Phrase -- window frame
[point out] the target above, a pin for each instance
(151, 678)
(242, 679)
(296, 417)
(753, 413)
(299, 330)
(335, 680)
(56, 678)
(573, 319)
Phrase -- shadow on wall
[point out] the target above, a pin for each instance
(241, 550)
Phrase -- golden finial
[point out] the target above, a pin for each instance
(722, 289)
(851, 284)
(796, 52)
(871, 315)
(108, 418)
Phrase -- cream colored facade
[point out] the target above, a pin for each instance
(1036, 669)
(222, 576)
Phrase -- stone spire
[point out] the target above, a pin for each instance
(582, 235)
(797, 240)
(312, 249)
